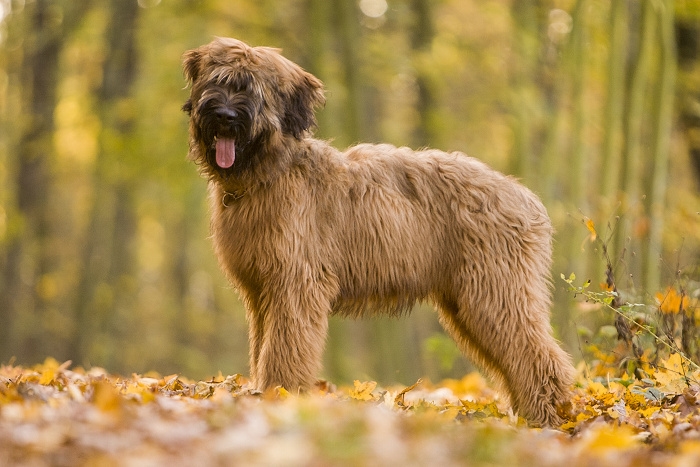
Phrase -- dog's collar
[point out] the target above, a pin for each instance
(231, 197)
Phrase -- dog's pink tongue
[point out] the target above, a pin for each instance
(225, 152)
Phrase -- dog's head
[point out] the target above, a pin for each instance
(240, 98)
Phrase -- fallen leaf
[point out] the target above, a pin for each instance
(362, 391)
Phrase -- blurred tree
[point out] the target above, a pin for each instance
(317, 14)
(631, 181)
(527, 46)
(614, 103)
(664, 97)
(108, 258)
(349, 42)
(29, 253)
(422, 35)
(103, 249)
(688, 42)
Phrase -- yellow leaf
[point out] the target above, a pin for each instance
(596, 388)
(450, 412)
(636, 401)
(471, 406)
(106, 397)
(147, 396)
(281, 392)
(218, 378)
(48, 371)
(671, 377)
(47, 376)
(666, 416)
(591, 228)
(568, 426)
(588, 413)
(649, 411)
(609, 437)
(471, 384)
(674, 363)
(690, 447)
(145, 392)
(491, 409)
(363, 390)
(172, 383)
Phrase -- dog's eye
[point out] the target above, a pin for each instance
(188, 107)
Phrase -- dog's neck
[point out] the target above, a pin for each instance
(228, 198)
(264, 168)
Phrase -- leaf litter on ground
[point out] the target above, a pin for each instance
(51, 414)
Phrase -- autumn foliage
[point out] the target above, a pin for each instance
(636, 401)
(51, 414)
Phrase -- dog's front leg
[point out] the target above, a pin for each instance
(293, 337)
(255, 337)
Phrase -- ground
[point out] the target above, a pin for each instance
(53, 415)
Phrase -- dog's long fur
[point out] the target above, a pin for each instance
(304, 230)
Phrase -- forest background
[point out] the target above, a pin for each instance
(104, 255)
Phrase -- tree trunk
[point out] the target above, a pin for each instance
(527, 45)
(349, 42)
(631, 170)
(28, 258)
(107, 254)
(612, 144)
(688, 45)
(662, 135)
(421, 40)
(576, 196)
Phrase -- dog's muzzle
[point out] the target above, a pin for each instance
(224, 123)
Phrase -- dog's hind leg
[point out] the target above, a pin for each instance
(505, 329)
(520, 355)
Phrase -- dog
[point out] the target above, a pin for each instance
(303, 230)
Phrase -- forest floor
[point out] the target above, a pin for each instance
(53, 415)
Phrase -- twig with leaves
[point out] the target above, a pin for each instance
(606, 298)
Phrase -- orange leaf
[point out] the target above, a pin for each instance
(671, 302)
(591, 228)
(399, 399)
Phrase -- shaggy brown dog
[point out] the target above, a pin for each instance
(304, 230)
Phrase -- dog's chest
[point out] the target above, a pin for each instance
(250, 234)
(238, 230)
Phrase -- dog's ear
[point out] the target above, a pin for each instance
(187, 108)
(190, 65)
(307, 95)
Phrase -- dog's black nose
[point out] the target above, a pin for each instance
(226, 115)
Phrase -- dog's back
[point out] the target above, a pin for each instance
(412, 219)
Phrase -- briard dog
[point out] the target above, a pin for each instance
(303, 231)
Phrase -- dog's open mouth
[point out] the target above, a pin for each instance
(225, 152)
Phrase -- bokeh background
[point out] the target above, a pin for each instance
(104, 255)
